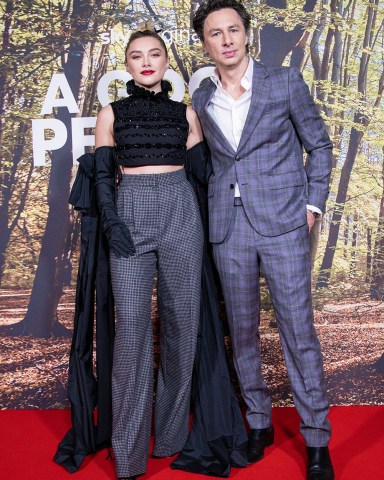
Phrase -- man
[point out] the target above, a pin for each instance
(262, 204)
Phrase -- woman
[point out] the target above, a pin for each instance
(155, 226)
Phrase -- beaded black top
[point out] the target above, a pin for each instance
(149, 127)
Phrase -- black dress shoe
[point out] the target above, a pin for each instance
(258, 439)
(319, 464)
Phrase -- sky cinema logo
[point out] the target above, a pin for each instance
(178, 36)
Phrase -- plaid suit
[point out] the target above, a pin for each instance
(269, 232)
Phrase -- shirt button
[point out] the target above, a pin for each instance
(237, 158)
(231, 186)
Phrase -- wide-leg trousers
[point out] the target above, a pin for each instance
(162, 215)
(285, 264)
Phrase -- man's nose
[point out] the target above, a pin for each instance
(227, 40)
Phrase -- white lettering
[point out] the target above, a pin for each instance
(105, 38)
(178, 85)
(105, 80)
(59, 82)
(79, 139)
(198, 77)
(41, 144)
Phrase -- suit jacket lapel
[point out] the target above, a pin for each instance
(260, 93)
(209, 122)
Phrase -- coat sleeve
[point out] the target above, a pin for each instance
(311, 130)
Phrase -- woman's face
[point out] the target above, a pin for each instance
(147, 62)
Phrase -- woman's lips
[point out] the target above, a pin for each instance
(230, 53)
(147, 72)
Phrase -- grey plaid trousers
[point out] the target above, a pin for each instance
(162, 215)
(285, 262)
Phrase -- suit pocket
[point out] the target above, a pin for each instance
(124, 204)
(286, 180)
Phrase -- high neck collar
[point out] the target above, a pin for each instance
(133, 89)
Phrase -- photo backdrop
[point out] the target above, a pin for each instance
(61, 61)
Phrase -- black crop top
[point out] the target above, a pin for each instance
(149, 128)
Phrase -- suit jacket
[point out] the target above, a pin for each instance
(268, 166)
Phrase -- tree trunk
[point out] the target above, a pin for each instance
(354, 141)
(41, 317)
(326, 266)
(377, 281)
(275, 42)
(352, 269)
(9, 180)
(369, 255)
(346, 237)
(4, 186)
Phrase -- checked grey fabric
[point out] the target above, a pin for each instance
(269, 230)
(285, 261)
(162, 215)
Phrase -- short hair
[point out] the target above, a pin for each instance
(209, 6)
(142, 34)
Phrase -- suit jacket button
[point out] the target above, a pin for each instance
(231, 186)
(237, 158)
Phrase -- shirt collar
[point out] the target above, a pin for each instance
(246, 80)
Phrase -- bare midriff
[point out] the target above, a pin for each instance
(147, 169)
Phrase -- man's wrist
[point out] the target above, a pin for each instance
(315, 214)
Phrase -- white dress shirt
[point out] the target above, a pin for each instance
(230, 113)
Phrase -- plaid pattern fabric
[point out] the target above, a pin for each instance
(285, 262)
(268, 164)
(162, 215)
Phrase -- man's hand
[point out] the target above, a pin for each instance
(310, 219)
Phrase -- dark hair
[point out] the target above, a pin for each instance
(143, 34)
(210, 6)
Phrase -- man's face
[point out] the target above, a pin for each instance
(225, 38)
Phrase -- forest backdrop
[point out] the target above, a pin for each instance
(58, 63)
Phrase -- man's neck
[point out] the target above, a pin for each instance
(230, 78)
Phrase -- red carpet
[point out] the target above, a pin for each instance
(29, 439)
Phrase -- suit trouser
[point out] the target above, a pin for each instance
(285, 264)
(163, 217)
